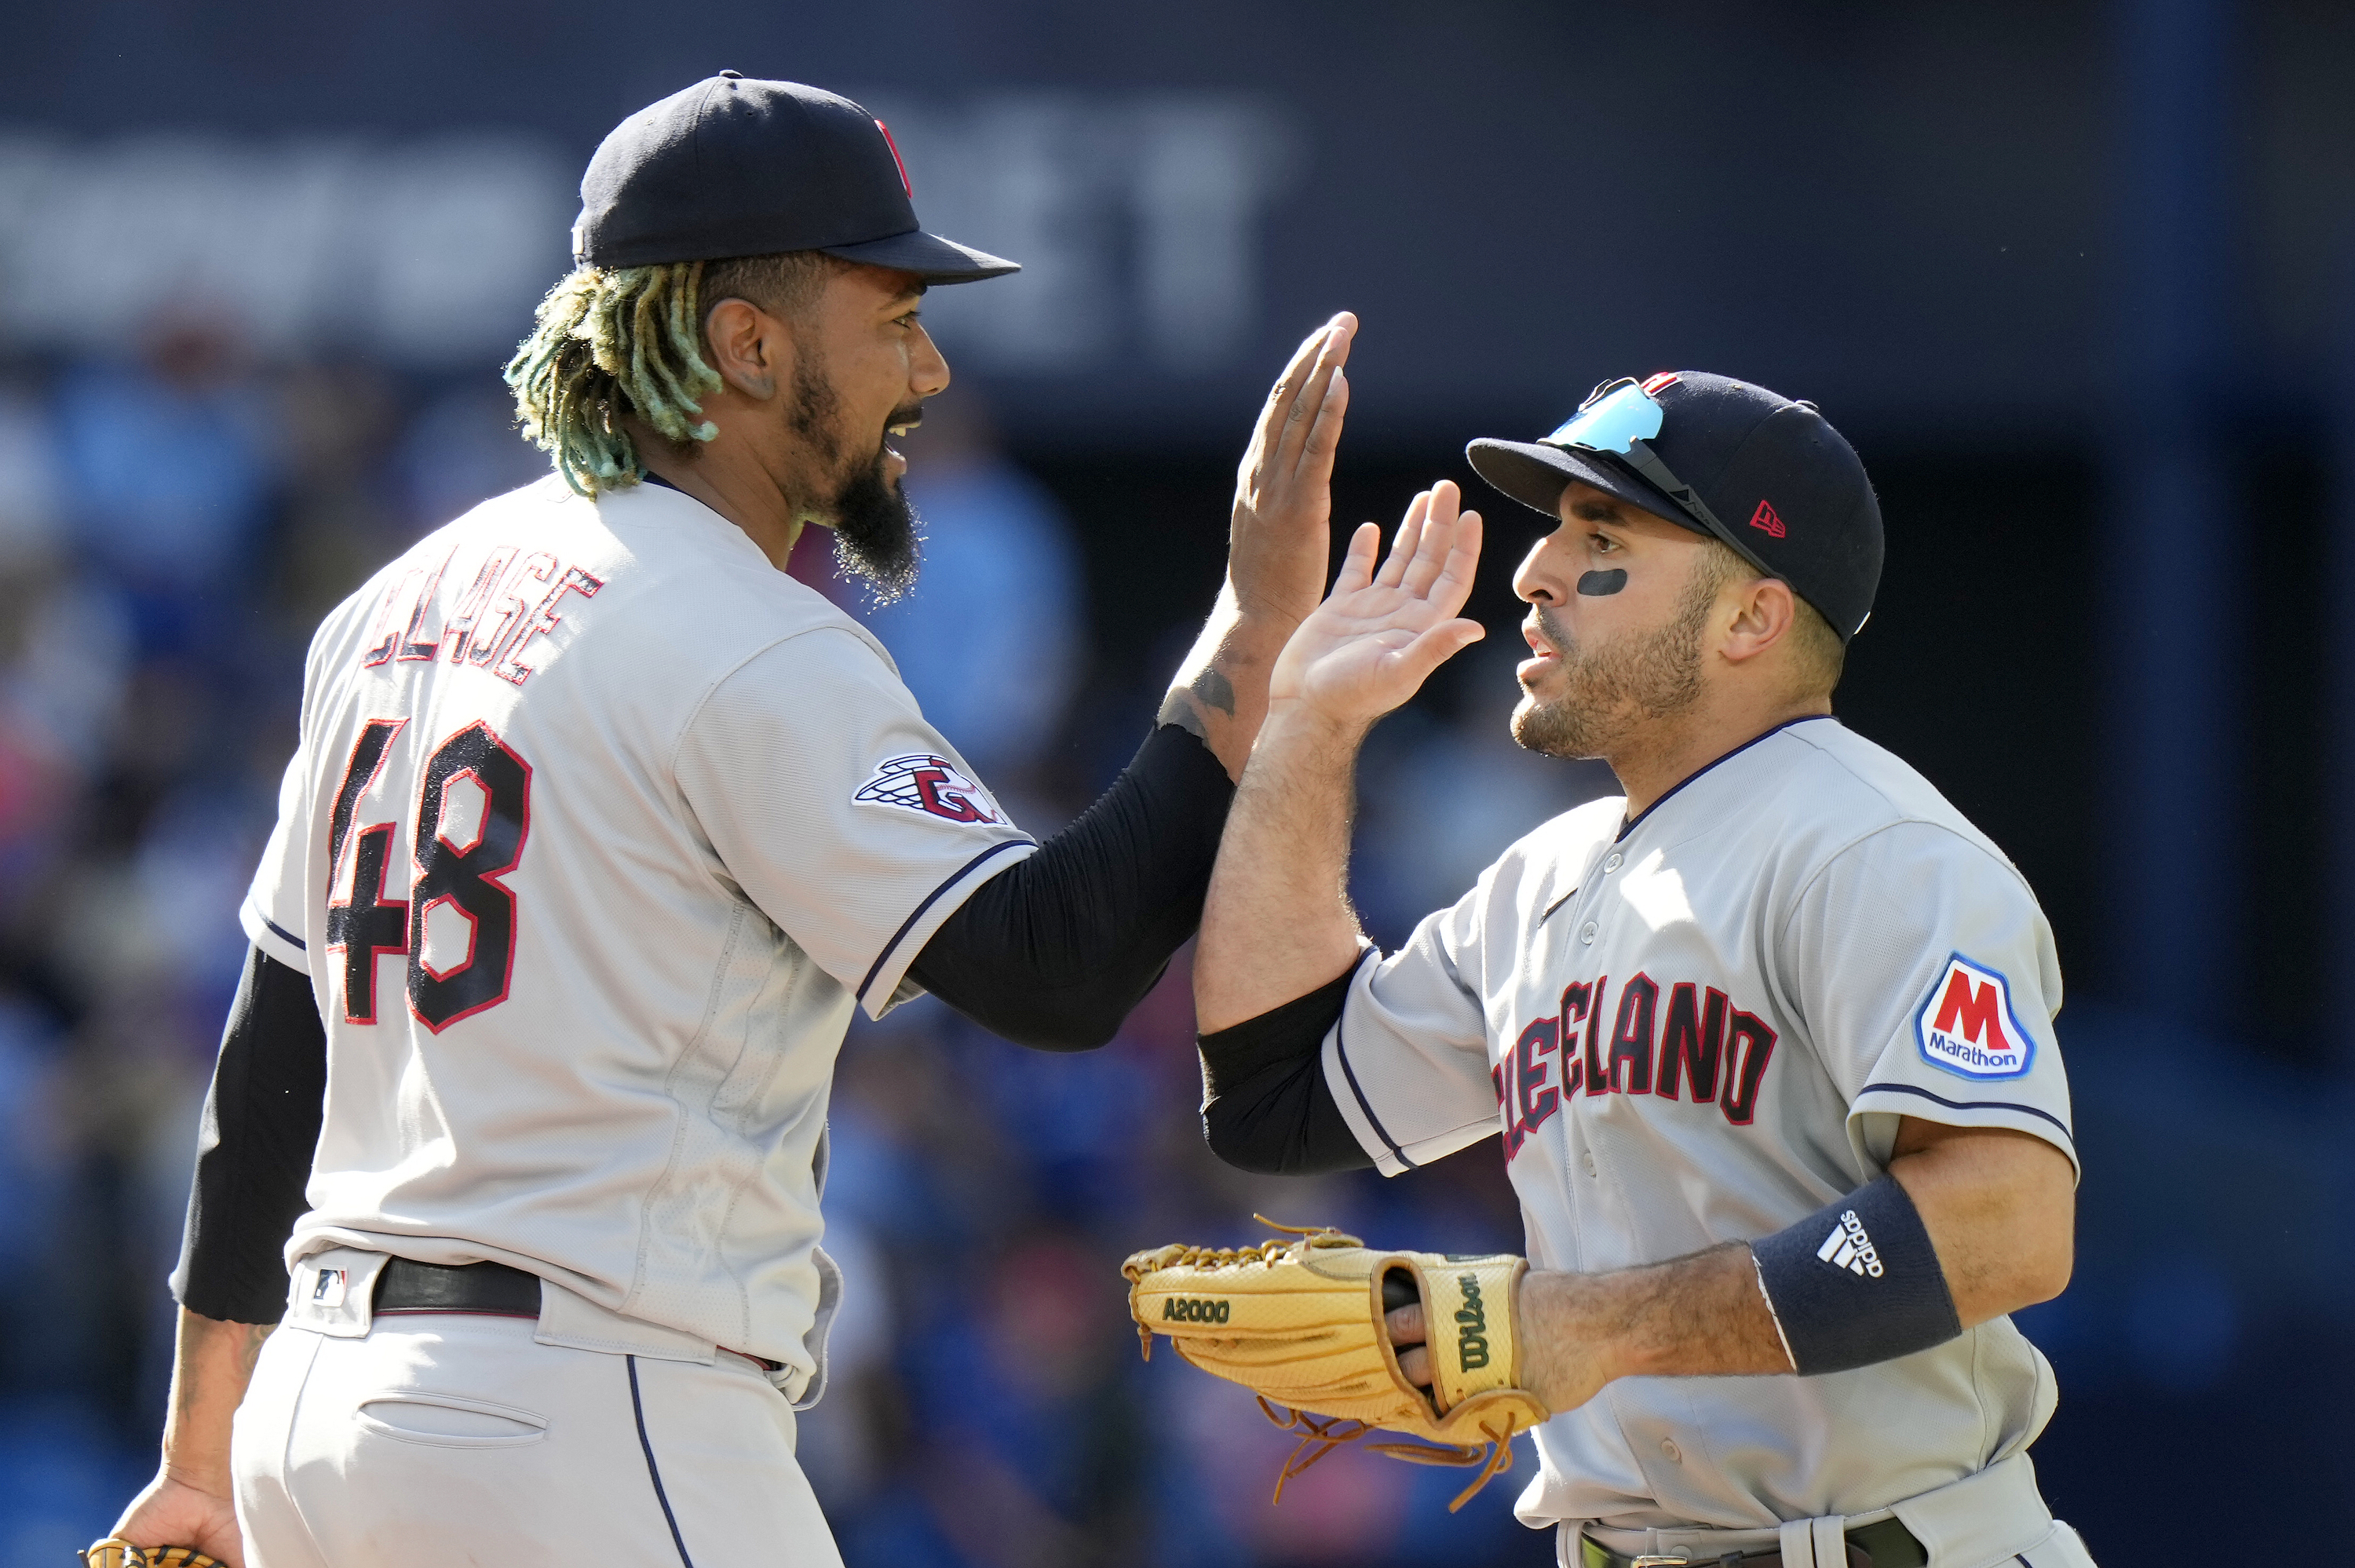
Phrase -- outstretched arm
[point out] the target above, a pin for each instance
(1999, 1207)
(1277, 924)
(1277, 547)
(1053, 952)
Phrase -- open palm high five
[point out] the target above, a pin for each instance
(1382, 631)
(1367, 649)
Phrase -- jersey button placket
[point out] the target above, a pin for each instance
(1586, 932)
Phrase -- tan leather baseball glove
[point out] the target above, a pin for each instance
(1300, 1324)
(116, 1553)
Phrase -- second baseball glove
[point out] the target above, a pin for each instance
(1300, 1324)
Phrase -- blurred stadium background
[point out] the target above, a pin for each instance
(2079, 281)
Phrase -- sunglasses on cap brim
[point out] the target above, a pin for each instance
(1620, 418)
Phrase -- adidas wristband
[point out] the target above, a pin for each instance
(1855, 1282)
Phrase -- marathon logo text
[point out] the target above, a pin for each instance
(1471, 1326)
(1966, 1025)
(1646, 1040)
(1192, 1310)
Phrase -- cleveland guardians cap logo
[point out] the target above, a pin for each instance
(1967, 1027)
(930, 784)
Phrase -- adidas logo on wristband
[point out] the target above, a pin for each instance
(1849, 1247)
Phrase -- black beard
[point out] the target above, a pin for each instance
(876, 531)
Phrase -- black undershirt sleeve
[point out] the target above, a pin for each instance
(254, 1155)
(1054, 951)
(1267, 1105)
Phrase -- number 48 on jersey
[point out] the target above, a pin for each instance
(462, 876)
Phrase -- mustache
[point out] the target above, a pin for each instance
(1549, 626)
(911, 415)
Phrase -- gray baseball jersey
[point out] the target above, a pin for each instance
(599, 828)
(1700, 1030)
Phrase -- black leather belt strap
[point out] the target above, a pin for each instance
(1888, 1544)
(485, 1289)
(491, 1289)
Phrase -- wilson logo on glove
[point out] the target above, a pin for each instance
(1472, 1319)
(1301, 1324)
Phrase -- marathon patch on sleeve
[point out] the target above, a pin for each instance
(932, 785)
(1967, 1027)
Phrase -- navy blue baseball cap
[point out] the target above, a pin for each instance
(735, 166)
(1764, 474)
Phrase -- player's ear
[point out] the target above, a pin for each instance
(748, 348)
(1762, 615)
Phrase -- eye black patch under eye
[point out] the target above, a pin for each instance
(1602, 585)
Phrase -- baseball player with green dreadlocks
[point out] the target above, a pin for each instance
(503, 1244)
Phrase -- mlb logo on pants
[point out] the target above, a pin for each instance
(1966, 1025)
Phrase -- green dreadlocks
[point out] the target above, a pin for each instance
(610, 342)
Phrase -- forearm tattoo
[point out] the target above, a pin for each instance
(196, 1381)
(1186, 704)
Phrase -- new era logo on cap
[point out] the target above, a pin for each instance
(1766, 521)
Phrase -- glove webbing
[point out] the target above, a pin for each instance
(1269, 1252)
(1320, 1434)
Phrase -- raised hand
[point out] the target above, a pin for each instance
(1276, 925)
(1382, 631)
(1277, 549)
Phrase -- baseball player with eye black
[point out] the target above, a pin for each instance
(1766, 1041)
(599, 829)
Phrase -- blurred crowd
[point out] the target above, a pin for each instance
(171, 529)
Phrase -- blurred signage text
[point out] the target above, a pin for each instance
(1137, 219)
